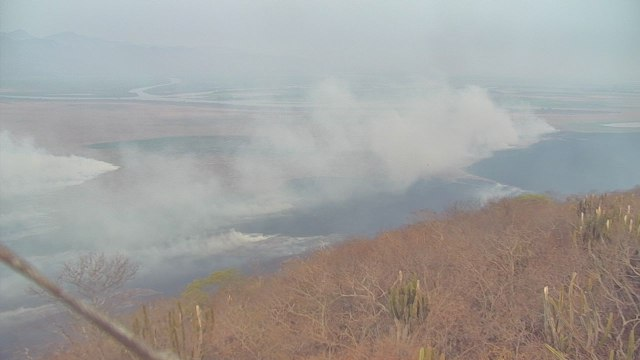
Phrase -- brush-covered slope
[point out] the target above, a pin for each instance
(527, 278)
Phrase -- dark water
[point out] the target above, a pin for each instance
(564, 163)
(374, 212)
(569, 163)
(368, 207)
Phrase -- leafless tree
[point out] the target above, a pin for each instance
(109, 326)
(98, 278)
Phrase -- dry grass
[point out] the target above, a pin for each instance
(484, 272)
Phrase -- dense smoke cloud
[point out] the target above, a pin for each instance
(346, 144)
(435, 134)
(27, 169)
(159, 207)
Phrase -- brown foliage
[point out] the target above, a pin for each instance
(484, 272)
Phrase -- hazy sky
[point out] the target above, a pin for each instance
(572, 39)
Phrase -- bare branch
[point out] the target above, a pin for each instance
(118, 332)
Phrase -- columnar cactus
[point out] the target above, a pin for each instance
(429, 353)
(407, 304)
(174, 332)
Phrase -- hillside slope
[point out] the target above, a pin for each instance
(527, 278)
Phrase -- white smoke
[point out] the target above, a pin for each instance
(347, 145)
(26, 169)
(434, 134)
(160, 206)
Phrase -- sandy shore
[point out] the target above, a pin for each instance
(68, 126)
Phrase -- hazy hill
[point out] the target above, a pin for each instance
(27, 61)
(68, 61)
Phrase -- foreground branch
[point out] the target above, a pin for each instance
(118, 332)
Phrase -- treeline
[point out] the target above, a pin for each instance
(522, 278)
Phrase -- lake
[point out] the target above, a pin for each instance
(186, 184)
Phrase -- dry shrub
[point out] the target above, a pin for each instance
(484, 272)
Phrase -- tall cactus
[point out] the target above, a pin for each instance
(407, 304)
(430, 353)
(182, 330)
(143, 329)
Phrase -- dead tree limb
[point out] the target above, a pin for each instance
(118, 332)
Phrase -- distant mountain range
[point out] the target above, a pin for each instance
(29, 62)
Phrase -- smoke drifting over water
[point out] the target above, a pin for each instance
(286, 186)
(434, 134)
(203, 172)
(27, 170)
(343, 147)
